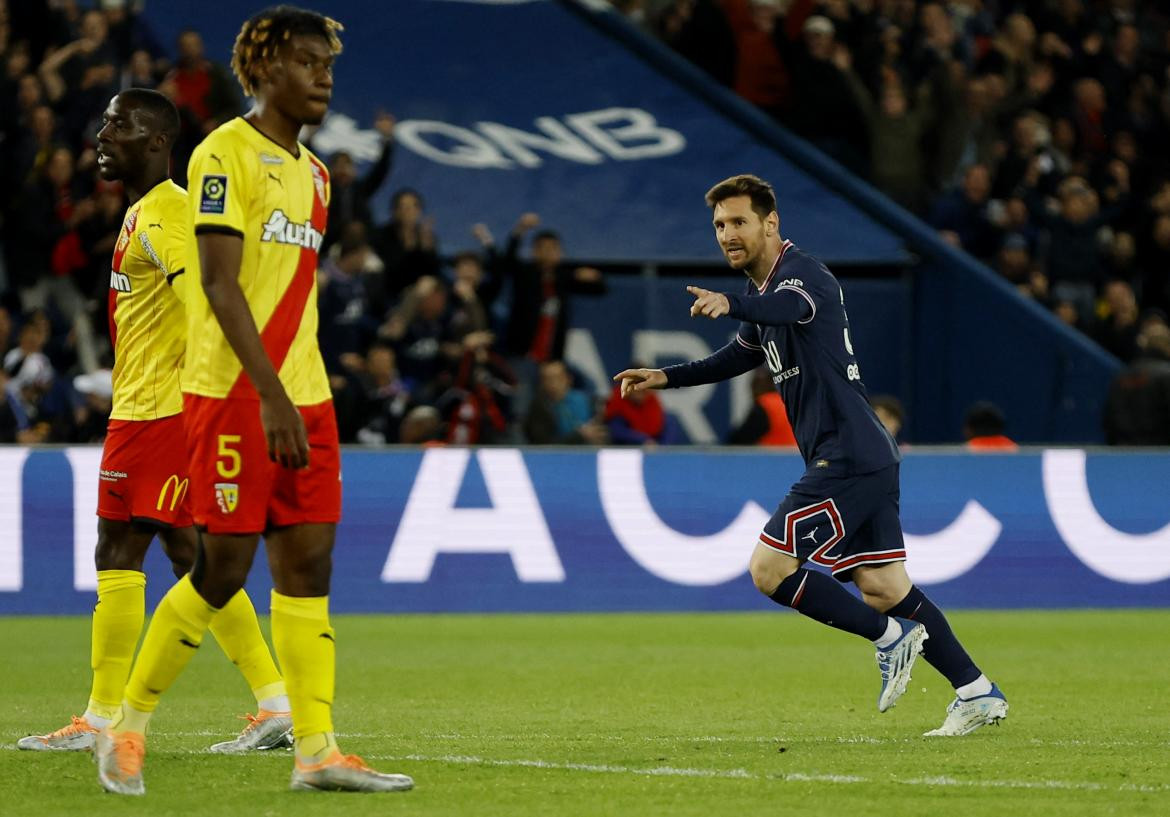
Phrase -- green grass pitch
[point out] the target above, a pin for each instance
(671, 714)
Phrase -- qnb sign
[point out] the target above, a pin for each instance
(588, 138)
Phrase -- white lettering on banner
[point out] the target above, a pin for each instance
(663, 551)
(554, 138)
(614, 129)
(85, 463)
(685, 404)
(1135, 558)
(935, 558)
(12, 519)
(341, 132)
(622, 134)
(469, 148)
(431, 524)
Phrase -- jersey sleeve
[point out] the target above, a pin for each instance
(220, 175)
(165, 242)
(748, 337)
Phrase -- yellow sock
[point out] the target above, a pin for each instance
(238, 632)
(304, 645)
(175, 632)
(117, 623)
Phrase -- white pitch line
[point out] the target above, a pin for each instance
(733, 774)
(789, 777)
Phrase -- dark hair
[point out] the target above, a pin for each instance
(546, 235)
(759, 191)
(406, 191)
(261, 35)
(984, 419)
(160, 108)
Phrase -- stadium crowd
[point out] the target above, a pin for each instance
(1034, 135)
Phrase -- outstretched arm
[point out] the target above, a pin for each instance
(788, 304)
(732, 360)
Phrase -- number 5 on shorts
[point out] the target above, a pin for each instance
(224, 451)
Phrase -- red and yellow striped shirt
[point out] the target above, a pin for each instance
(247, 185)
(148, 327)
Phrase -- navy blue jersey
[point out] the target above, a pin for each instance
(796, 324)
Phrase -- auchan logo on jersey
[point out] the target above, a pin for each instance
(280, 230)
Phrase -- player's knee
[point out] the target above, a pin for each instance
(115, 552)
(768, 570)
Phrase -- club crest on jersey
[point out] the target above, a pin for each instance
(280, 230)
(227, 496)
(213, 194)
(127, 229)
(319, 183)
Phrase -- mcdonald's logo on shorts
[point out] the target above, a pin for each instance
(179, 491)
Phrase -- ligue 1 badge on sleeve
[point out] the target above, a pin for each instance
(227, 495)
(213, 194)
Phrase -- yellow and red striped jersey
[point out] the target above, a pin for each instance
(148, 327)
(245, 184)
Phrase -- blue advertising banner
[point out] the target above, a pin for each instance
(505, 108)
(499, 529)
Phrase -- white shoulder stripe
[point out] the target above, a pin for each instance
(807, 297)
(747, 345)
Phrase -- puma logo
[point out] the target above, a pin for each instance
(276, 179)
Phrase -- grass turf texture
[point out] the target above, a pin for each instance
(704, 714)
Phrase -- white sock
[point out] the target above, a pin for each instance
(892, 634)
(96, 721)
(277, 703)
(980, 686)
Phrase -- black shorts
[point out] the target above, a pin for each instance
(840, 522)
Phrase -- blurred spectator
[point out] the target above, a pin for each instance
(345, 325)
(422, 425)
(700, 32)
(756, 70)
(96, 391)
(766, 422)
(1117, 329)
(424, 338)
(473, 293)
(898, 166)
(984, 429)
(824, 109)
(406, 244)
(889, 410)
(202, 88)
(385, 398)
(639, 419)
(539, 314)
(560, 414)
(477, 406)
(1137, 410)
(1075, 260)
(349, 195)
(961, 216)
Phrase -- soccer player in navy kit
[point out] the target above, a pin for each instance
(843, 513)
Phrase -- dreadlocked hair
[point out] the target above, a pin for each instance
(260, 36)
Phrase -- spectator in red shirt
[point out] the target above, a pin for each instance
(984, 428)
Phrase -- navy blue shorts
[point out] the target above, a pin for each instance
(840, 522)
